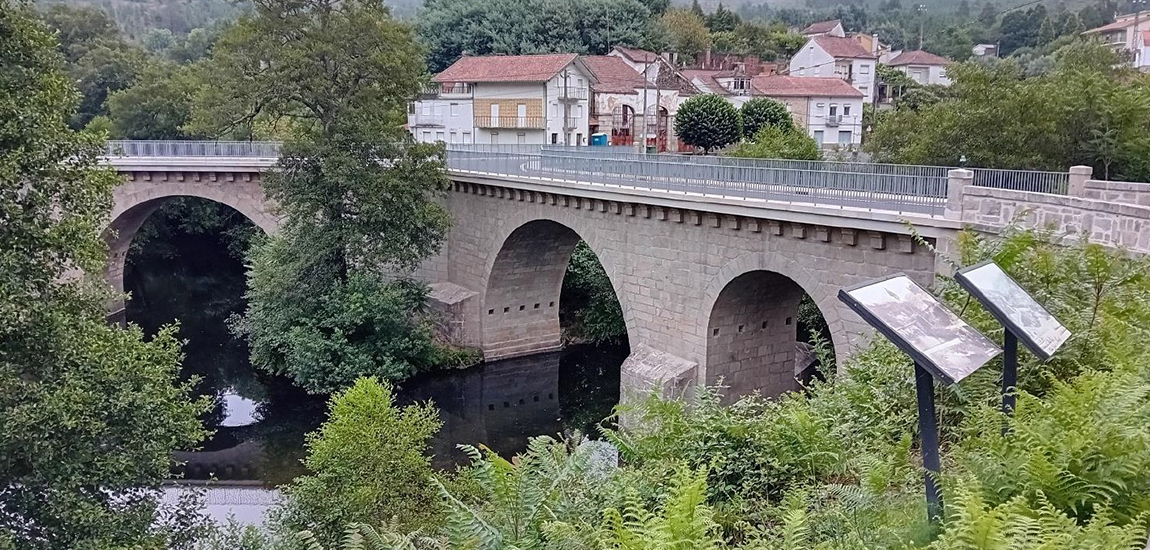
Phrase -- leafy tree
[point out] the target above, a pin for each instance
(686, 32)
(156, 106)
(708, 121)
(779, 142)
(761, 112)
(1097, 115)
(367, 464)
(79, 28)
(988, 16)
(322, 306)
(1020, 28)
(91, 412)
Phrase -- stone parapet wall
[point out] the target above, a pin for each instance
(1137, 194)
(1108, 222)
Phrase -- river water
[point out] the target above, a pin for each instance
(259, 421)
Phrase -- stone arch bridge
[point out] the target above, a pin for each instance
(709, 259)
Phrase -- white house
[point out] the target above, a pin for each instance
(829, 28)
(512, 99)
(985, 50)
(825, 56)
(1130, 35)
(644, 62)
(922, 67)
(829, 108)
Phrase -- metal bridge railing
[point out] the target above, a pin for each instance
(231, 149)
(872, 186)
(1054, 183)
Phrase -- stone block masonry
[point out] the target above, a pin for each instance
(671, 269)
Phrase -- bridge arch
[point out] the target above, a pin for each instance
(751, 318)
(523, 280)
(141, 195)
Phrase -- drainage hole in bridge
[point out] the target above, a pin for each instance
(506, 309)
(521, 308)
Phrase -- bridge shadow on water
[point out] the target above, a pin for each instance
(178, 270)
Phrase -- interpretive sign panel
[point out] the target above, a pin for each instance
(1015, 308)
(921, 326)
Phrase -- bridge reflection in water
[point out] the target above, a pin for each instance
(499, 405)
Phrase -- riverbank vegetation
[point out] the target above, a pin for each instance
(835, 466)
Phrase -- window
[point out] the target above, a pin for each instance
(466, 137)
(579, 82)
(834, 109)
(494, 112)
(554, 138)
(846, 110)
(426, 136)
(802, 72)
(426, 108)
(820, 106)
(819, 137)
(864, 69)
(578, 139)
(453, 137)
(454, 109)
(439, 136)
(521, 138)
(844, 137)
(411, 108)
(495, 138)
(862, 89)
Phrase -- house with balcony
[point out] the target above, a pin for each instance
(829, 108)
(829, 56)
(511, 99)
(443, 113)
(1129, 35)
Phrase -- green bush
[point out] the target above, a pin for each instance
(708, 121)
(367, 464)
(774, 142)
(761, 112)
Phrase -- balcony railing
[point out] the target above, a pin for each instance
(511, 121)
(420, 119)
(572, 93)
(447, 89)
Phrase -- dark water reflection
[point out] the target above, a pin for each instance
(259, 421)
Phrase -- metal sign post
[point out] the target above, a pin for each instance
(941, 345)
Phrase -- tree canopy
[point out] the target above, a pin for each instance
(1095, 112)
(708, 121)
(91, 412)
(324, 304)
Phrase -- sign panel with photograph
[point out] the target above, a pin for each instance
(1015, 308)
(921, 326)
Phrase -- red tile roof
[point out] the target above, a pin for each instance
(506, 68)
(637, 55)
(707, 78)
(613, 75)
(1122, 23)
(800, 86)
(918, 57)
(821, 27)
(839, 47)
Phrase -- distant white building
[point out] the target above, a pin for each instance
(829, 108)
(512, 99)
(985, 50)
(826, 55)
(1128, 35)
(922, 67)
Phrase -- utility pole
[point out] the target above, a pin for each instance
(646, 83)
(566, 110)
(921, 16)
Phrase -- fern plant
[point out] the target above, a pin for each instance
(1085, 447)
(1018, 524)
(549, 482)
(361, 536)
(682, 522)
